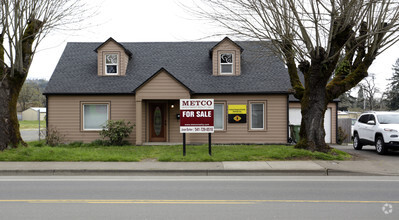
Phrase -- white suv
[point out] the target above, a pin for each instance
(377, 128)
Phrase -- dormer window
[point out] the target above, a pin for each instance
(226, 63)
(111, 64)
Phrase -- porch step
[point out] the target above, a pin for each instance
(162, 143)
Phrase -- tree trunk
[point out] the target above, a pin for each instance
(313, 107)
(10, 137)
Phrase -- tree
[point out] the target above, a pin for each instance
(360, 101)
(393, 90)
(23, 25)
(368, 86)
(332, 42)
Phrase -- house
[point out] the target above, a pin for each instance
(95, 82)
(32, 114)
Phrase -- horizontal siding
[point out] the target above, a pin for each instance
(162, 87)
(112, 47)
(64, 115)
(276, 121)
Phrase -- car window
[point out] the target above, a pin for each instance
(388, 119)
(371, 118)
(364, 119)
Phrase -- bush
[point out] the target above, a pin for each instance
(116, 131)
(54, 137)
(341, 136)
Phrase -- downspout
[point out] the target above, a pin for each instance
(46, 117)
(288, 118)
(336, 122)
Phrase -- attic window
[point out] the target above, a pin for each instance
(111, 64)
(226, 63)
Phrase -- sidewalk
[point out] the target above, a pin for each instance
(258, 168)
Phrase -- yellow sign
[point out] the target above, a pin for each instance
(237, 118)
(237, 109)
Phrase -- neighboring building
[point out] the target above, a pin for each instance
(95, 82)
(32, 114)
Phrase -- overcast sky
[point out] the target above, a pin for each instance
(151, 20)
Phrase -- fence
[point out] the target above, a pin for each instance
(346, 126)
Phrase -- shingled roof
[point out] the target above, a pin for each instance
(262, 72)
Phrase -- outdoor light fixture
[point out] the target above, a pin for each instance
(172, 106)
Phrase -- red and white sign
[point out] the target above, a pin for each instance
(196, 115)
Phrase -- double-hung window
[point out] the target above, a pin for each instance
(111, 64)
(226, 63)
(219, 116)
(257, 116)
(95, 116)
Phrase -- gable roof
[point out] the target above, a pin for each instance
(155, 74)
(112, 39)
(227, 39)
(262, 72)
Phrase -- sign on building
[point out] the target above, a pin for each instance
(237, 113)
(196, 115)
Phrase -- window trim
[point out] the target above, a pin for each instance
(117, 63)
(232, 64)
(82, 104)
(223, 116)
(250, 128)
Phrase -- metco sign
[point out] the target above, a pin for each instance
(196, 115)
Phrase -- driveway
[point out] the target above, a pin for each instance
(30, 135)
(368, 153)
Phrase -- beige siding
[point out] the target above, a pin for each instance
(162, 87)
(276, 121)
(174, 123)
(64, 115)
(333, 108)
(112, 47)
(226, 47)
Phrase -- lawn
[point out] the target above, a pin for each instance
(37, 151)
(31, 124)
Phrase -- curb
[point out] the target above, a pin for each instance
(105, 172)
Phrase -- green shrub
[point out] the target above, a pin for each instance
(116, 131)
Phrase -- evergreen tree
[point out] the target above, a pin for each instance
(393, 92)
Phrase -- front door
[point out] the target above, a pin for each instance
(157, 122)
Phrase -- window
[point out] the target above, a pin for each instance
(226, 63)
(111, 64)
(95, 116)
(364, 119)
(219, 116)
(257, 116)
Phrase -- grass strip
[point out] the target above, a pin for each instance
(38, 151)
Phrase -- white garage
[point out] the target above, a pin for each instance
(296, 116)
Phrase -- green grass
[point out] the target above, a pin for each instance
(31, 124)
(37, 151)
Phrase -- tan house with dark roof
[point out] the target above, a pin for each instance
(137, 82)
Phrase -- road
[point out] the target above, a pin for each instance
(368, 153)
(199, 197)
(30, 134)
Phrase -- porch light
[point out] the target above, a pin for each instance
(172, 106)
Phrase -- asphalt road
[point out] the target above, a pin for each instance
(199, 198)
(30, 135)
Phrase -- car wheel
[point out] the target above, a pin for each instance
(356, 143)
(380, 145)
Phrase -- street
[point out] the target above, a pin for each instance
(45, 197)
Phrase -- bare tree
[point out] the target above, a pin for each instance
(370, 90)
(332, 42)
(23, 25)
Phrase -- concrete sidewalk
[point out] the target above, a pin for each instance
(257, 168)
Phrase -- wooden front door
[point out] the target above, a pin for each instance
(157, 122)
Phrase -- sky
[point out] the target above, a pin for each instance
(149, 21)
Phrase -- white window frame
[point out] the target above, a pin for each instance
(221, 64)
(223, 117)
(251, 116)
(83, 114)
(117, 63)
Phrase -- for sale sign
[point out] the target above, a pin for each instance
(196, 115)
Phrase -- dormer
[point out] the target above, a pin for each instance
(112, 58)
(226, 58)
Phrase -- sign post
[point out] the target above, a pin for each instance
(196, 116)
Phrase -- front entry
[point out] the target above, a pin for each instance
(157, 122)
